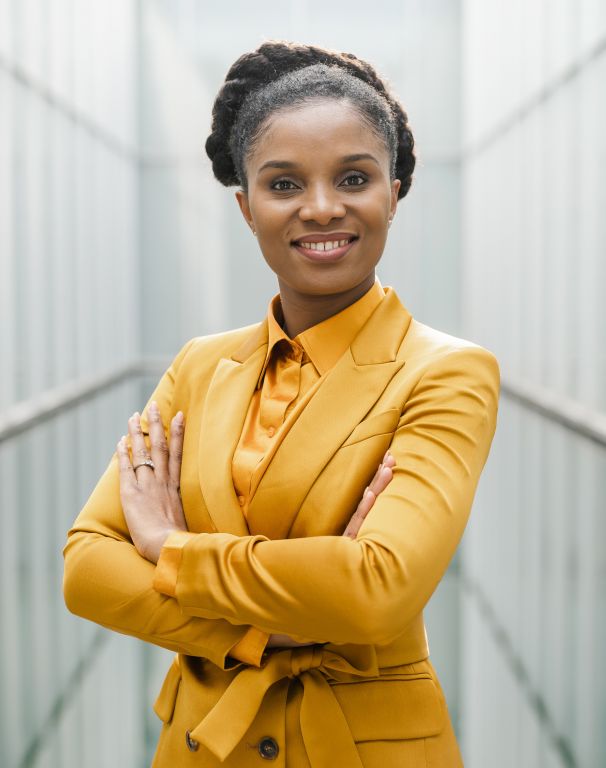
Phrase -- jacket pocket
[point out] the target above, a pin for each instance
(164, 705)
(403, 707)
(377, 424)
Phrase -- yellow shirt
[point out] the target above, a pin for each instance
(292, 371)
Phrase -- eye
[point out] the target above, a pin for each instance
(354, 180)
(283, 185)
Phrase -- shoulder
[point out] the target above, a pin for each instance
(423, 340)
(204, 352)
(432, 351)
(222, 344)
(420, 345)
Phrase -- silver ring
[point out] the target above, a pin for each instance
(146, 463)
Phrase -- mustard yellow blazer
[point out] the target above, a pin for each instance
(365, 693)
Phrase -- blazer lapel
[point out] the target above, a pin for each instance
(343, 399)
(225, 408)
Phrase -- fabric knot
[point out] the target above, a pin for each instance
(225, 725)
(304, 659)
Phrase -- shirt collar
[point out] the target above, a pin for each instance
(325, 342)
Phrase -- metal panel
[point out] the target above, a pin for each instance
(533, 203)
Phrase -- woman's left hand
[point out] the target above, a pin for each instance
(149, 492)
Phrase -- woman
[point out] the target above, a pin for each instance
(320, 465)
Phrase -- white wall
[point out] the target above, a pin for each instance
(533, 240)
(116, 242)
(68, 310)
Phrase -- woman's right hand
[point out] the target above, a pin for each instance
(378, 484)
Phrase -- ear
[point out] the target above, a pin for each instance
(242, 199)
(395, 188)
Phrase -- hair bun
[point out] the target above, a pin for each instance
(268, 63)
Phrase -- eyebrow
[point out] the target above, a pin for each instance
(359, 156)
(287, 165)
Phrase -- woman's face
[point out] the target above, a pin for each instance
(320, 198)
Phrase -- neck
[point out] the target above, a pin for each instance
(302, 311)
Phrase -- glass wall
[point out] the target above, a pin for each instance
(117, 245)
(69, 320)
(534, 238)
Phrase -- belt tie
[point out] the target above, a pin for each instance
(325, 731)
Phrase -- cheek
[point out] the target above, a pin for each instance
(376, 215)
(271, 218)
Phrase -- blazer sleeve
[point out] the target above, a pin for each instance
(367, 590)
(108, 582)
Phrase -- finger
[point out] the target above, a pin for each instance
(157, 438)
(375, 476)
(365, 506)
(379, 482)
(374, 483)
(389, 460)
(139, 448)
(175, 456)
(127, 475)
(384, 477)
(367, 501)
(358, 517)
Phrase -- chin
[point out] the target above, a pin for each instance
(326, 285)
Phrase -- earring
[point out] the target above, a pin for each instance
(254, 231)
(389, 221)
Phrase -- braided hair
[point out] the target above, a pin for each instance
(279, 75)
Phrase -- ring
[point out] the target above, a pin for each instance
(146, 463)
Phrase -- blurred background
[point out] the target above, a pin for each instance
(117, 245)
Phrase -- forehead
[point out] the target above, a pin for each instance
(317, 130)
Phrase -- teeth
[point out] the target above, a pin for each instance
(329, 245)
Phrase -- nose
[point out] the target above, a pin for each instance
(321, 204)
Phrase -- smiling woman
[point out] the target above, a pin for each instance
(291, 497)
(320, 197)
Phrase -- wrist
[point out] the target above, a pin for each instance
(154, 544)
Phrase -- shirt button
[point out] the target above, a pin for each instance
(241, 500)
(268, 748)
(271, 431)
(192, 744)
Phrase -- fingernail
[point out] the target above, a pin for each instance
(153, 406)
(179, 417)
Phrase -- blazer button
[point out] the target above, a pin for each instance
(192, 744)
(268, 748)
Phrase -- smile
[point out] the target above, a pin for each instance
(331, 247)
(327, 245)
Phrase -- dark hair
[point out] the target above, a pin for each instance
(279, 75)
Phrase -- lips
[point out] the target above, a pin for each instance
(325, 240)
(325, 247)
